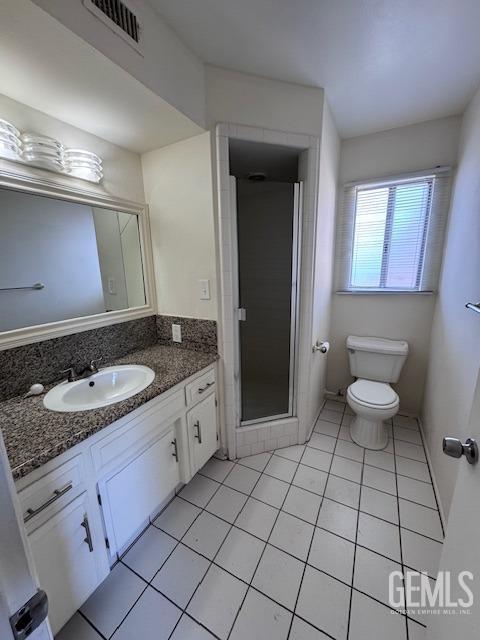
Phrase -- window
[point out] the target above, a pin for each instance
(390, 234)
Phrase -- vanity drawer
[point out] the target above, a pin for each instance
(122, 443)
(52, 491)
(200, 387)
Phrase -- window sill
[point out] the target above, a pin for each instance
(383, 292)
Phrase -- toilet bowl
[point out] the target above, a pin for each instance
(373, 403)
(375, 362)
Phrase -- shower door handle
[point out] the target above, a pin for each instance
(242, 314)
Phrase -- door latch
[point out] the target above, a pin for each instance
(30, 616)
(453, 447)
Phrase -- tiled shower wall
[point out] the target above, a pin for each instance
(259, 439)
(44, 361)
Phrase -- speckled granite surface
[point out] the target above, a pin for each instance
(44, 361)
(34, 435)
(199, 335)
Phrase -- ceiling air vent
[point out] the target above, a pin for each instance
(118, 17)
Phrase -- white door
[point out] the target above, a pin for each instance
(64, 557)
(202, 428)
(461, 550)
(18, 581)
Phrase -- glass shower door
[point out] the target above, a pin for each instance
(267, 233)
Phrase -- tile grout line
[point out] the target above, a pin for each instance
(281, 509)
(400, 529)
(355, 552)
(267, 542)
(148, 583)
(431, 481)
(313, 534)
(318, 526)
(90, 624)
(225, 537)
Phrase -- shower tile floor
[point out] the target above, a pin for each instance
(296, 543)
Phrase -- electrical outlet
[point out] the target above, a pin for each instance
(176, 332)
(204, 289)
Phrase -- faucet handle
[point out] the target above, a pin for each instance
(71, 374)
(93, 364)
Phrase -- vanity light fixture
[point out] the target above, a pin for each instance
(47, 153)
(10, 142)
(43, 152)
(83, 164)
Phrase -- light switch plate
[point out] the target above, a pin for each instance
(204, 286)
(176, 332)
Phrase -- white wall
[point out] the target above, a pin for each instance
(455, 346)
(122, 169)
(406, 316)
(132, 259)
(261, 102)
(327, 195)
(166, 65)
(109, 247)
(178, 188)
(52, 242)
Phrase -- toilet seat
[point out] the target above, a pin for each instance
(374, 395)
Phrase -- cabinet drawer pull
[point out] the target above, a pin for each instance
(198, 435)
(175, 450)
(88, 536)
(200, 390)
(58, 493)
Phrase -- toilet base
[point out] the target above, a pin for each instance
(371, 434)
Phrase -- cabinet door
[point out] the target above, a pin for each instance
(202, 431)
(65, 561)
(133, 493)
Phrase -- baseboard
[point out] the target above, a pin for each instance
(332, 395)
(432, 476)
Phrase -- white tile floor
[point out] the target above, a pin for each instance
(293, 544)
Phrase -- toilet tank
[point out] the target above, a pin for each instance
(376, 358)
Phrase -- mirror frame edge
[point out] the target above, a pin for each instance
(61, 191)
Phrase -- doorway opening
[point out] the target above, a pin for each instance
(264, 181)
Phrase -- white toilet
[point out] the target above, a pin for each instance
(375, 362)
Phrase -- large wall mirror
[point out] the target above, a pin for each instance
(62, 260)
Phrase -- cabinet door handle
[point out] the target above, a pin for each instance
(88, 535)
(198, 435)
(175, 450)
(58, 493)
(200, 390)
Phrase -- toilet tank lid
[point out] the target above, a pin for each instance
(378, 345)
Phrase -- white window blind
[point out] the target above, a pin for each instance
(390, 233)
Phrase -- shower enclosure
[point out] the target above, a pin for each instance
(267, 232)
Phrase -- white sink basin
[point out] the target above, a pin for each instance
(108, 386)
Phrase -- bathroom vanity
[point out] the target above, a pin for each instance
(84, 507)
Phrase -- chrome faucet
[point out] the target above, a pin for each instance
(86, 372)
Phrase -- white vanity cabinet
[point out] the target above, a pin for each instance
(202, 431)
(64, 554)
(83, 508)
(131, 494)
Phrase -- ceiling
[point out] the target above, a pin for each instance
(47, 67)
(383, 63)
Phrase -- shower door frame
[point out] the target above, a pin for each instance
(271, 434)
(292, 374)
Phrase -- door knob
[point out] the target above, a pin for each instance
(453, 447)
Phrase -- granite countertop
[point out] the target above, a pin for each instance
(34, 435)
